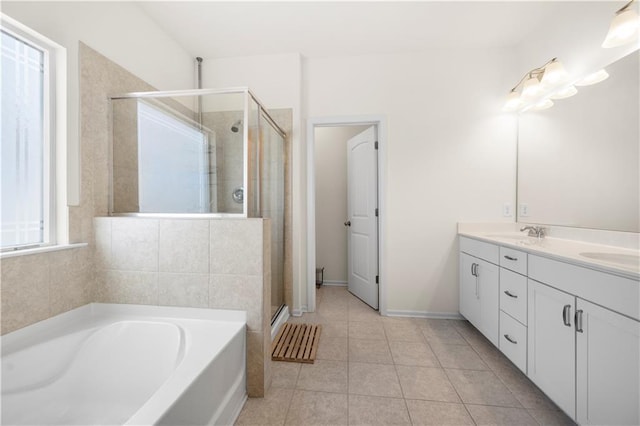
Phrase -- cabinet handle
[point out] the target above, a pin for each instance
(506, 336)
(473, 269)
(515, 296)
(566, 315)
(511, 258)
(578, 321)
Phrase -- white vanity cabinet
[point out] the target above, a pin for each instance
(574, 330)
(551, 344)
(479, 286)
(584, 356)
(607, 367)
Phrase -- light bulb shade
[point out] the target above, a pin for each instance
(624, 29)
(545, 104)
(513, 102)
(531, 88)
(594, 78)
(554, 74)
(567, 92)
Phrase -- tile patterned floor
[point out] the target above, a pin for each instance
(373, 370)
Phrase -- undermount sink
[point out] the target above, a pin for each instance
(619, 258)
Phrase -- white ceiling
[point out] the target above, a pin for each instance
(224, 29)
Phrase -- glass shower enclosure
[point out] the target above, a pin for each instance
(200, 153)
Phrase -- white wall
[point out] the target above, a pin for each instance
(450, 156)
(118, 30)
(331, 199)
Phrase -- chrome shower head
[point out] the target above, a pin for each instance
(235, 127)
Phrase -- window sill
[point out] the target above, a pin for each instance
(37, 250)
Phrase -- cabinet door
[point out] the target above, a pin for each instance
(551, 344)
(607, 370)
(489, 295)
(469, 297)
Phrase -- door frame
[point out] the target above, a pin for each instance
(359, 120)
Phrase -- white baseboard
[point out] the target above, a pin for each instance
(282, 318)
(424, 314)
(334, 283)
(299, 312)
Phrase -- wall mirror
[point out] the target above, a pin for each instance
(578, 162)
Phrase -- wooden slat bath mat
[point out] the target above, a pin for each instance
(296, 343)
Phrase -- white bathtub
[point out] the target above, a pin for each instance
(105, 364)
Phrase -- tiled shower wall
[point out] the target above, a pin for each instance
(200, 263)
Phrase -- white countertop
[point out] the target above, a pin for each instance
(566, 250)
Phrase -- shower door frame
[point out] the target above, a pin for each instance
(248, 94)
(360, 120)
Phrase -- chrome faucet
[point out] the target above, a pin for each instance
(535, 231)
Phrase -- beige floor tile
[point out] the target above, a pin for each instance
(441, 333)
(367, 350)
(426, 383)
(404, 331)
(335, 348)
(324, 375)
(488, 415)
(438, 413)
(360, 311)
(373, 379)
(413, 353)
(284, 374)
(332, 311)
(481, 387)
(366, 330)
(551, 418)
(374, 410)
(525, 391)
(317, 408)
(335, 329)
(270, 410)
(458, 356)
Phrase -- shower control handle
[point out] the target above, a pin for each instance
(347, 223)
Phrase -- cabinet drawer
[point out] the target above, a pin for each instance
(513, 259)
(513, 295)
(513, 341)
(480, 249)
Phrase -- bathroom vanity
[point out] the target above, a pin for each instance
(566, 313)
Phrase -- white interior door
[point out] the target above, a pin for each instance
(362, 221)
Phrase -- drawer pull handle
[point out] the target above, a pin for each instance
(511, 258)
(506, 336)
(566, 315)
(515, 296)
(578, 321)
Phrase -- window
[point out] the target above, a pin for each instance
(173, 171)
(27, 146)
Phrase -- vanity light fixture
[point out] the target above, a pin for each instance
(594, 78)
(534, 84)
(565, 93)
(624, 27)
(544, 104)
(554, 74)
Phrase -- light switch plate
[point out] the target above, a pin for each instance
(506, 210)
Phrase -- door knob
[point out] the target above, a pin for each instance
(347, 223)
